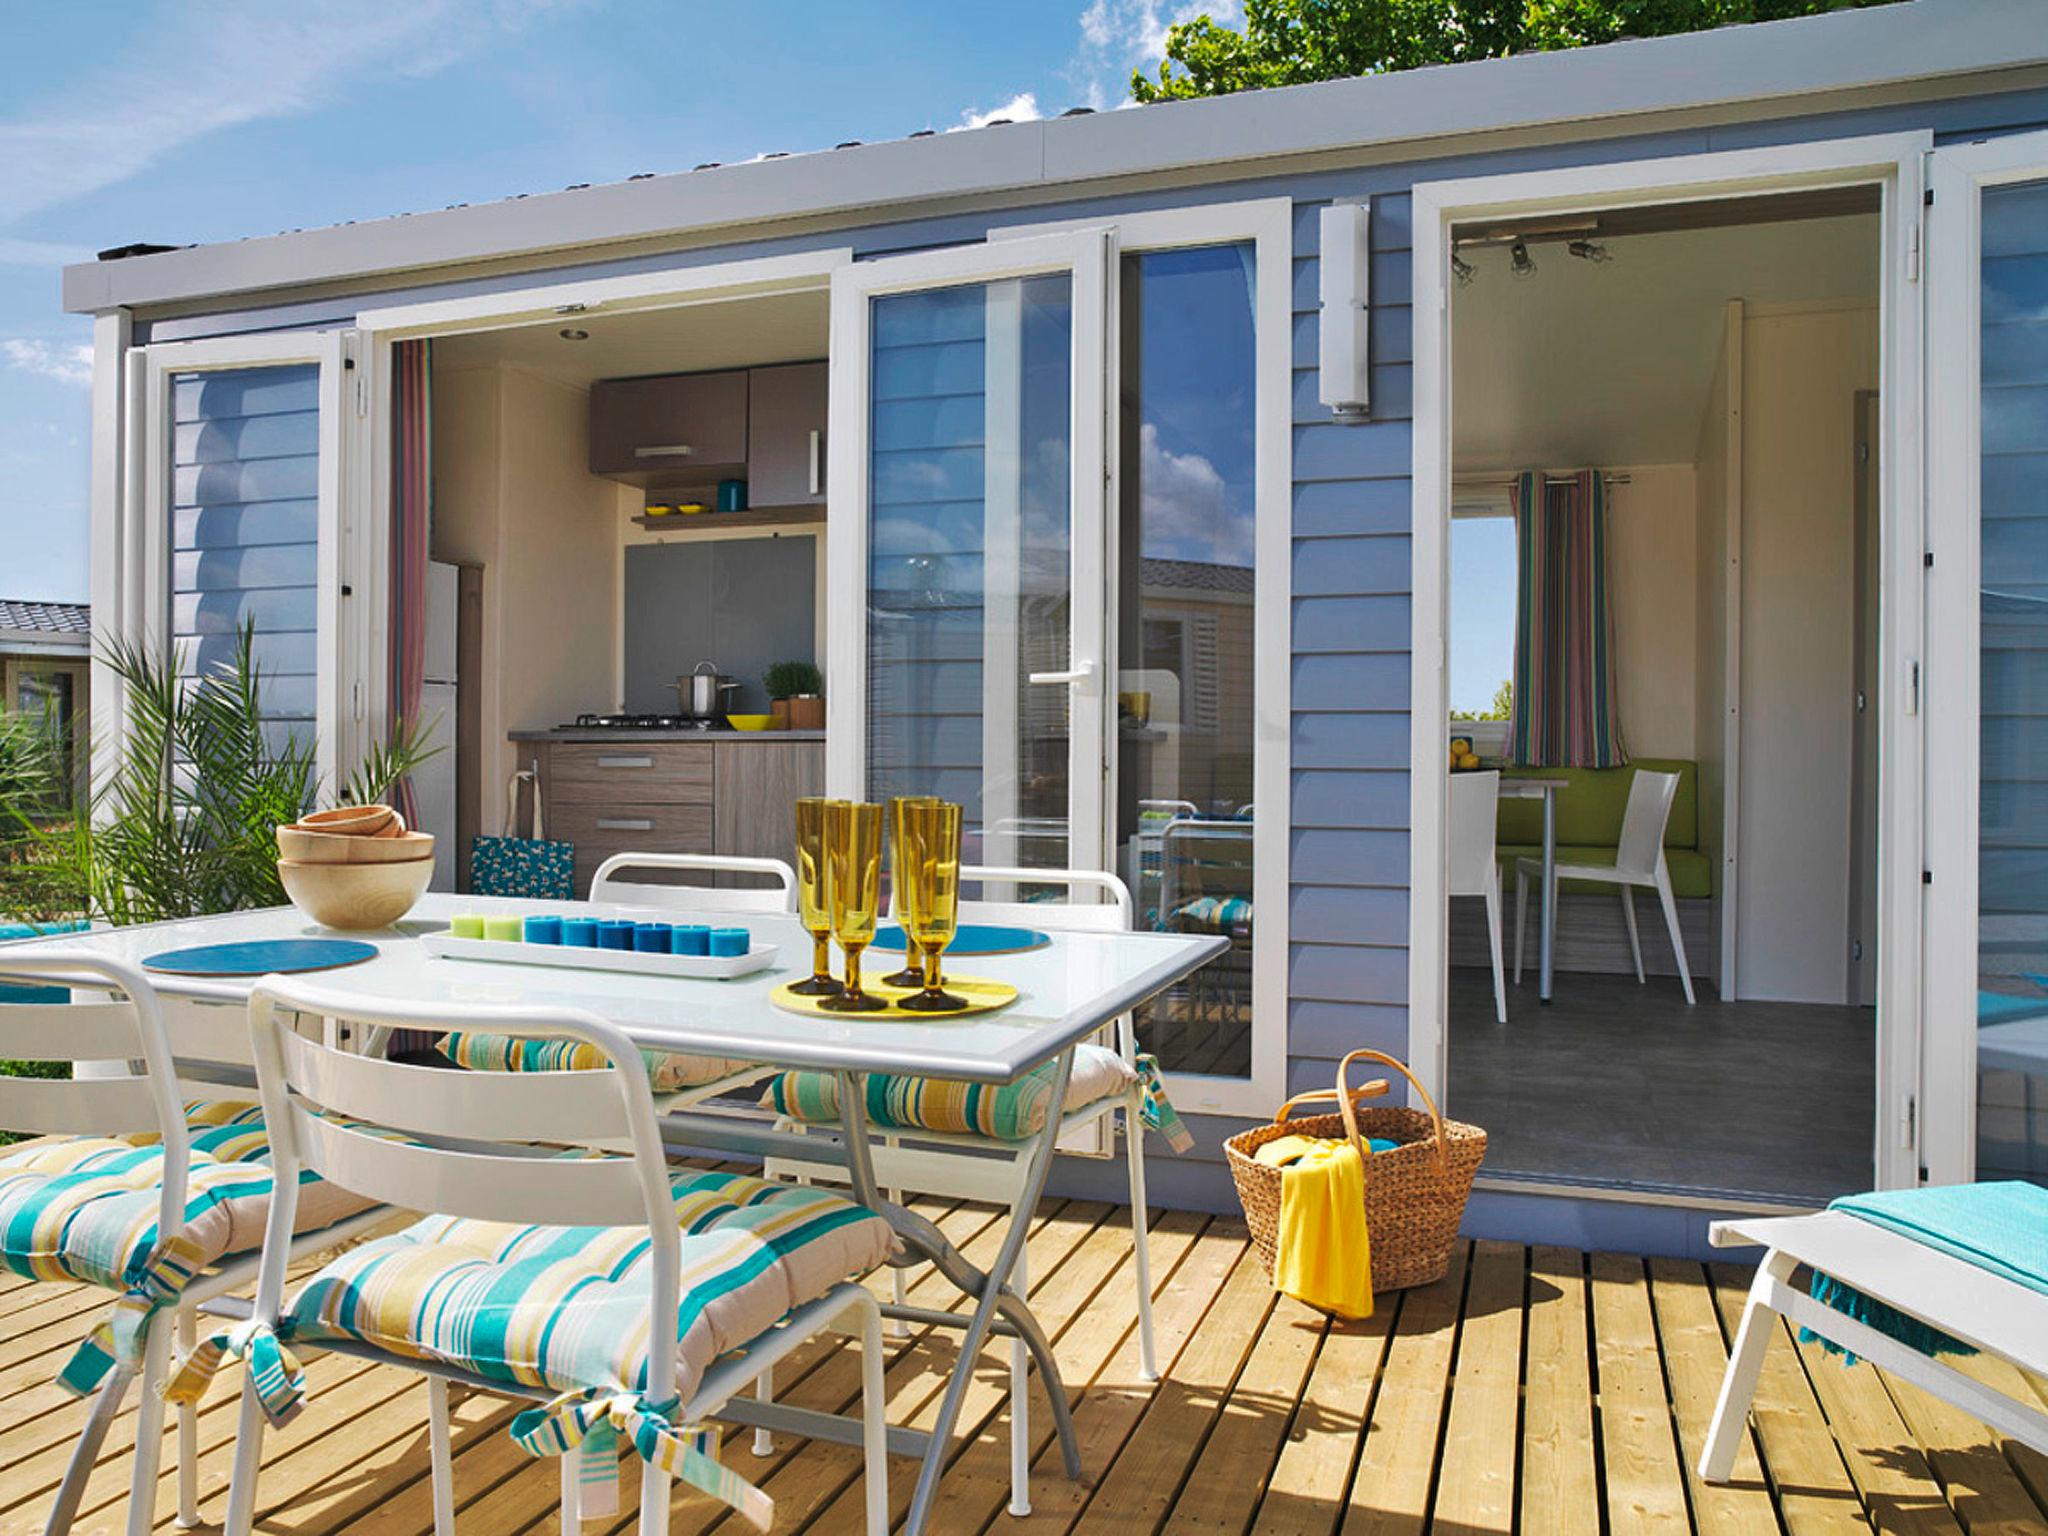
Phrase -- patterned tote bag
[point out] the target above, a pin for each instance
(512, 865)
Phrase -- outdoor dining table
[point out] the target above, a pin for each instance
(1067, 991)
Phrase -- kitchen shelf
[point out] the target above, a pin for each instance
(753, 517)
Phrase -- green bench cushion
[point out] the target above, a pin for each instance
(1692, 872)
(1590, 807)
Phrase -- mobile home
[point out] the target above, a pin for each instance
(1159, 483)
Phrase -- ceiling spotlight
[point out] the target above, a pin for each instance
(571, 333)
(1522, 263)
(1590, 250)
(1461, 269)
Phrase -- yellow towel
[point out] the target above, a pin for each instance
(1324, 1255)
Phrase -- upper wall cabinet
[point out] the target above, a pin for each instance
(786, 435)
(679, 429)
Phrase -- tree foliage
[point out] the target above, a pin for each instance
(1295, 42)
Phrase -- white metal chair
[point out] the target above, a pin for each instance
(127, 1029)
(1638, 861)
(606, 885)
(491, 1153)
(1473, 867)
(965, 1167)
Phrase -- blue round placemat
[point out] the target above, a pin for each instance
(972, 939)
(262, 957)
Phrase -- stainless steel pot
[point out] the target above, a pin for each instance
(701, 695)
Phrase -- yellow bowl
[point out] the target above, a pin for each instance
(754, 722)
(354, 897)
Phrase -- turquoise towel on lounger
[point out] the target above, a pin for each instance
(2000, 1227)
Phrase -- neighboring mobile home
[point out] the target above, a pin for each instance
(1152, 482)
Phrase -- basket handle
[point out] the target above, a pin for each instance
(1375, 1089)
(1443, 1151)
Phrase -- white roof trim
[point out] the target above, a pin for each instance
(1746, 67)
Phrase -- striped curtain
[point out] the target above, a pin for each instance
(412, 457)
(1564, 714)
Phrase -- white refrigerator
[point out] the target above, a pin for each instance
(434, 784)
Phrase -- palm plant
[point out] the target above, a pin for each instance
(182, 821)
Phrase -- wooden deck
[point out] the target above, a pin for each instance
(1534, 1391)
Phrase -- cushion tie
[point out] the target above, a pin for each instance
(1156, 1109)
(685, 1452)
(274, 1371)
(118, 1338)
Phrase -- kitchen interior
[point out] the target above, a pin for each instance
(634, 506)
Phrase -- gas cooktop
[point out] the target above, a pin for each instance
(645, 723)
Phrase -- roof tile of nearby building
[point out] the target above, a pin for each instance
(1795, 65)
(45, 618)
(1195, 576)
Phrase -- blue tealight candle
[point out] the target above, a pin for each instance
(580, 932)
(730, 941)
(614, 933)
(691, 939)
(543, 930)
(651, 938)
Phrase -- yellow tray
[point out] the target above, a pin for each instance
(983, 996)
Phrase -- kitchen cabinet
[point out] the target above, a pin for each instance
(727, 796)
(678, 429)
(786, 435)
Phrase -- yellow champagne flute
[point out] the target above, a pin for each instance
(853, 887)
(903, 870)
(935, 842)
(813, 906)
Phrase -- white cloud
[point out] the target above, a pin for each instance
(236, 62)
(49, 360)
(1187, 510)
(1119, 36)
(1020, 108)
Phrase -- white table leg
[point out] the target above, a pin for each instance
(1548, 944)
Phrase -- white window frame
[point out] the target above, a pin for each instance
(1268, 223)
(147, 557)
(1895, 163)
(1959, 175)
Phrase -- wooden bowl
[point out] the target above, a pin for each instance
(354, 897)
(306, 846)
(354, 821)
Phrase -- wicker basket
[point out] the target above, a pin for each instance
(1414, 1194)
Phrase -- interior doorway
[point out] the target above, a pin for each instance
(1663, 612)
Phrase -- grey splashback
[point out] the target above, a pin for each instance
(741, 603)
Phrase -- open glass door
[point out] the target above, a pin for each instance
(965, 575)
(238, 516)
(1987, 407)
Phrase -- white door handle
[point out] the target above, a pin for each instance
(1080, 674)
(817, 461)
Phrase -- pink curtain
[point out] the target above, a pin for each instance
(412, 439)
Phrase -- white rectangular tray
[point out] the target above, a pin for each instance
(577, 957)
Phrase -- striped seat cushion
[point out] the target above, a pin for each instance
(85, 1207)
(1010, 1112)
(564, 1308)
(667, 1071)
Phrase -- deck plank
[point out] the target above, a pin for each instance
(1389, 1494)
(1476, 1488)
(1559, 1480)
(1800, 1456)
(1528, 1393)
(1695, 1360)
(1644, 1487)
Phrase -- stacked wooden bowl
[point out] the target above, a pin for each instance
(354, 867)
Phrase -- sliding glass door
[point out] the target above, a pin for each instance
(1987, 1067)
(967, 507)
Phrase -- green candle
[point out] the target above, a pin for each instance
(466, 925)
(507, 928)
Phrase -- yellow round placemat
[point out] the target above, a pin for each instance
(982, 994)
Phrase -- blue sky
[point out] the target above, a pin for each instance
(190, 122)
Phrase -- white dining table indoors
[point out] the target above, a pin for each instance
(1067, 991)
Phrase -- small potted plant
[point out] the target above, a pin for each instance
(796, 695)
